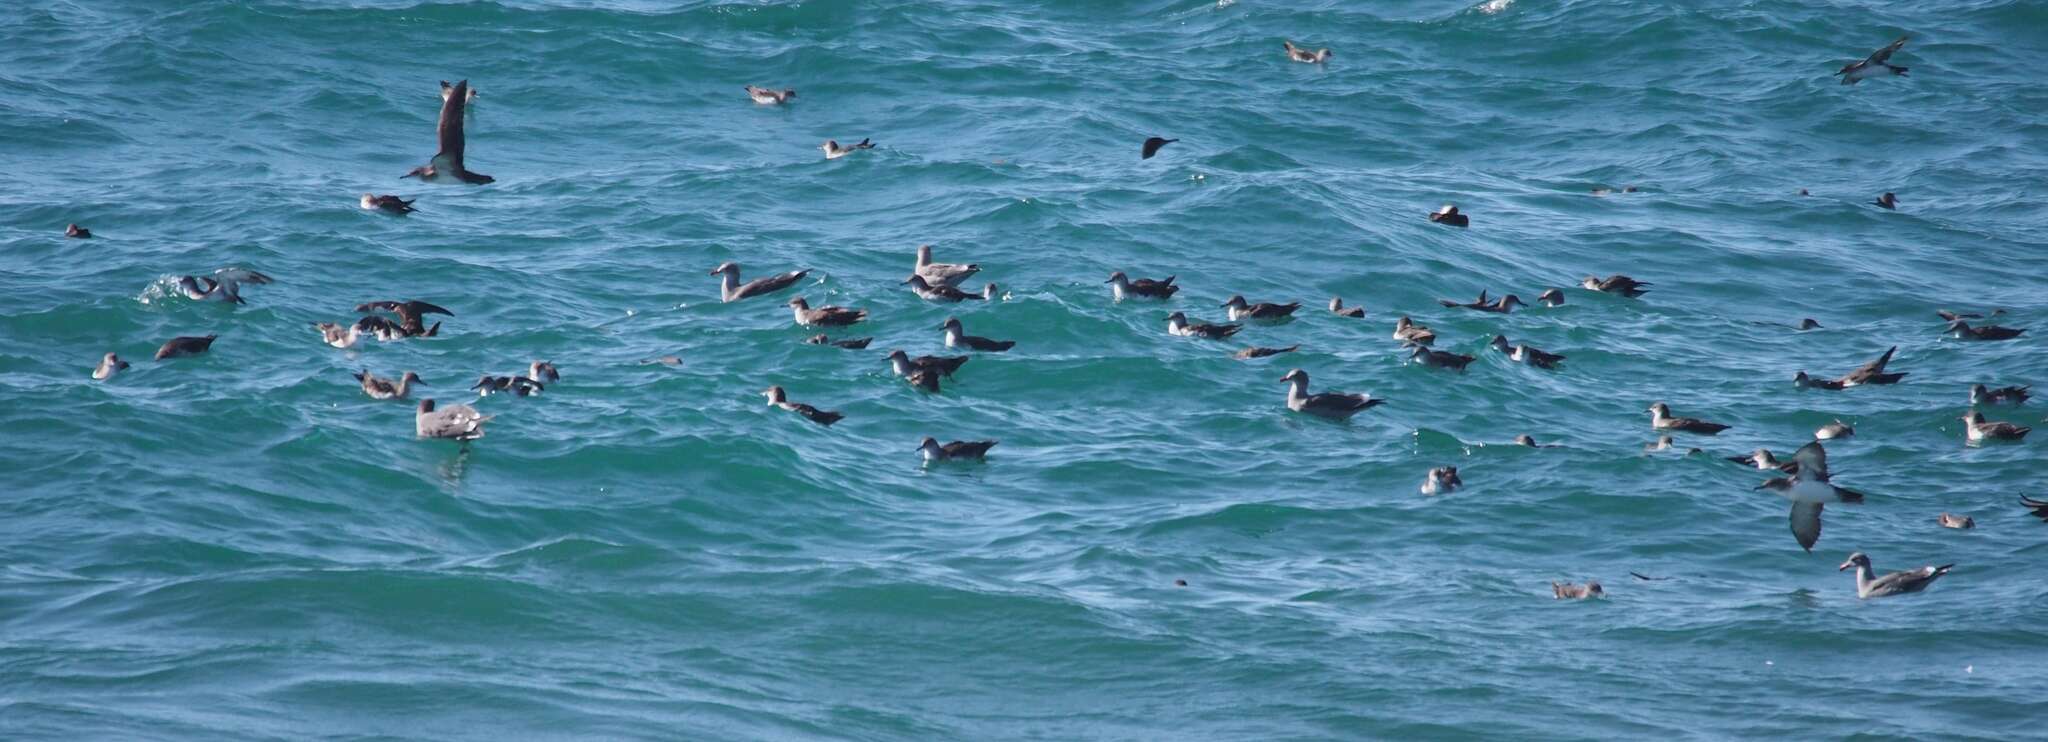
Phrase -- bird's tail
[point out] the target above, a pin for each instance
(1900, 71)
(436, 329)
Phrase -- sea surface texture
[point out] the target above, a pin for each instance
(242, 545)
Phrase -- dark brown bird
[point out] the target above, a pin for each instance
(1449, 215)
(904, 365)
(1120, 285)
(1257, 352)
(388, 204)
(1615, 284)
(1502, 305)
(1177, 324)
(1887, 201)
(776, 398)
(179, 347)
(935, 451)
(956, 337)
(1961, 330)
(1337, 308)
(1869, 373)
(1152, 147)
(1441, 358)
(1239, 309)
(2036, 508)
(826, 316)
(849, 344)
(410, 319)
(447, 165)
(1299, 54)
(77, 232)
(1979, 394)
(1661, 419)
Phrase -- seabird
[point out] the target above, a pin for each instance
(224, 286)
(935, 451)
(1337, 308)
(448, 91)
(179, 347)
(1152, 146)
(1443, 479)
(1332, 405)
(663, 360)
(903, 364)
(833, 151)
(388, 203)
(2002, 395)
(1120, 285)
(1953, 316)
(1808, 489)
(1888, 201)
(1961, 330)
(768, 97)
(1661, 419)
(1262, 352)
(1955, 521)
(1763, 460)
(1869, 373)
(1449, 215)
(776, 398)
(1502, 305)
(956, 338)
(924, 378)
(1524, 440)
(1177, 324)
(543, 371)
(1440, 358)
(1405, 330)
(2036, 508)
(77, 232)
(409, 314)
(1551, 297)
(1833, 430)
(447, 167)
(1896, 583)
(1979, 430)
(1615, 284)
(1526, 354)
(110, 364)
(1569, 591)
(380, 388)
(1873, 66)
(459, 422)
(340, 337)
(926, 291)
(1809, 324)
(1663, 443)
(519, 386)
(1261, 311)
(1299, 54)
(849, 344)
(942, 274)
(730, 289)
(825, 316)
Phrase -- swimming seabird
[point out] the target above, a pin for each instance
(381, 388)
(1299, 54)
(1615, 284)
(224, 286)
(1896, 583)
(1525, 440)
(110, 364)
(1406, 331)
(373, 325)
(1955, 521)
(1440, 358)
(1449, 215)
(1961, 330)
(1808, 489)
(2036, 508)
(1502, 305)
(1522, 353)
(1833, 430)
(1120, 284)
(77, 232)
(1332, 405)
(730, 288)
(458, 422)
(1443, 479)
(957, 338)
(1152, 146)
(776, 398)
(825, 316)
(1873, 66)
(1869, 373)
(942, 274)
(1809, 324)
(1887, 201)
(1262, 352)
(935, 451)
(1337, 308)
(388, 203)
(448, 91)
(1661, 419)
(543, 371)
(833, 151)
(1551, 297)
(926, 379)
(768, 97)
(447, 165)
(179, 347)
(1978, 430)
(1177, 324)
(849, 344)
(519, 386)
(1239, 309)
(2002, 395)
(1569, 591)
(903, 364)
(925, 290)
(1763, 460)
(1663, 443)
(409, 314)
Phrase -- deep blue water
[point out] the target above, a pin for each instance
(243, 545)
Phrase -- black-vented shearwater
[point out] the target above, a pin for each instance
(410, 313)
(387, 203)
(1177, 324)
(833, 151)
(777, 398)
(1661, 419)
(447, 165)
(825, 316)
(1121, 285)
(1239, 309)
(730, 289)
(381, 388)
(1977, 430)
(1406, 331)
(1440, 358)
(1152, 145)
(224, 286)
(1834, 430)
(767, 97)
(1808, 488)
(956, 337)
(1262, 352)
(1337, 308)
(903, 363)
(942, 274)
(1961, 330)
(1299, 54)
(1569, 591)
(1449, 215)
(1332, 405)
(847, 343)
(1441, 480)
(1523, 353)
(933, 450)
(1615, 284)
(180, 347)
(77, 232)
(1869, 373)
(110, 364)
(1979, 394)
(1955, 521)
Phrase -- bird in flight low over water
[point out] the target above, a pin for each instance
(1876, 65)
(1808, 489)
(447, 165)
(1896, 583)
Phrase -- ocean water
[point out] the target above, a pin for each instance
(243, 545)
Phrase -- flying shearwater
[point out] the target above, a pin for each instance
(1615, 284)
(459, 422)
(1240, 310)
(1121, 285)
(730, 289)
(110, 364)
(1955, 521)
(1808, 489)
(1896, 583)
(1869, 373)
(942, 274)
(1833, 430)
(849, 344)
(2002, 395)
(1449, 215)
(1874, 66)
(1262, 352)
(1440, 358)
(224, 286)
(767, 97)
(1177, 324)
(955, 450)
(825, 316)
(1887, 201)
(1569, 591)
(1406, 331)
(1443, 479)
(1152, 146)
(1661, 419)
(1961, 330)
(833, 151)
(1979, 431)
(903, 364)
(388, 203)
(448, 91)
(1522, 353)
(381, 388)
(447, 165)
(179, 347)
(1337, 308)
(77, 232)
(956, 337)
(1299, 54)
(776, 398)
(409, 313)
(1332, 405)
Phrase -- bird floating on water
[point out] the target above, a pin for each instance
(1615, 284)
(382, 388)
(833, 151)
(1299, 54)
(942, 274)
(1978, 431)
(1523, 353)
(1121, 285)
(848, 343)
(447, 165)
(925, 290)
(1961, 330)
(1876, 65)
(777, 398)
(1441, 480)
(1809, 489)
(77, 232)
(1177, 324)
(730, 289)
(1955, 521)
(1152, 145)
(1887, 201)
(1896, 583)
(1763, 460)
(411, 315)
(2036, 508)
(956, 337)
(1406, 331)
(1569, 591)
(953, 451)
(1262, 352)
(1809, 324)
(825, 316)
(110, 364)
(1449, 215)
(1551, 297)
(519, 386)
(224, 286)
(1661, 419)
(387, 203)
(1332, 405)
(1241, 310)
(1502, 305)
(904, 365)
(1869, 373)
(459, 422)
(767, 97)
(1979, 394)
(1337, 308)
(180, 347)
(1833, 430)
(1528, 442)
(1440, 358)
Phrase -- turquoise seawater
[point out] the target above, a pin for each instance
(243, 545)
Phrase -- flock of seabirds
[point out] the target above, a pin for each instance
(1802, 479)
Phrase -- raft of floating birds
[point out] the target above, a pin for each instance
(1804, 479)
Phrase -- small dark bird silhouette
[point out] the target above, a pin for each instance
(1152, 147)
(82, 233)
